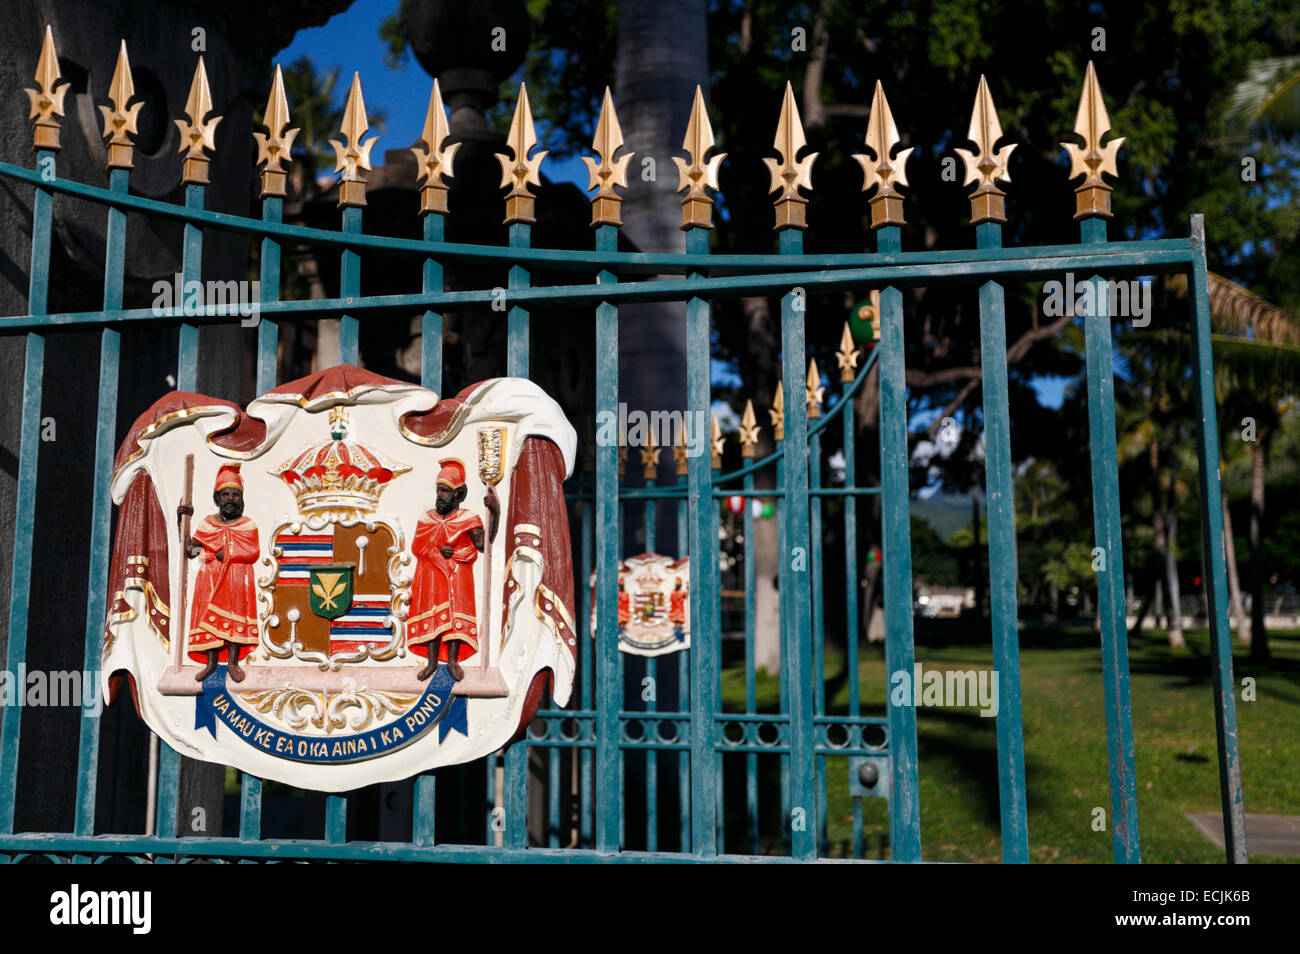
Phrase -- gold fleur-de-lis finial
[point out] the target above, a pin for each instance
(1092, 159)
(608, 172)
(650, 459)
(790, 173)
(883, 171)
(120, 121)
(274, 145)
(986, 166)
(748, 431)
(716, 442)
(698, 174)
(354, 157)
(199, 132)
(681, 459)
(519, 173)
(46, 99)
(847, 355)
(813, 390)
(777, 413)
(435, 160)
(869, 311)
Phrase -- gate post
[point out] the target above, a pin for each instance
(1207, 446)
(1093, 204)
(885, 172)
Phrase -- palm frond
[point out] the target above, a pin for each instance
(1239, 311)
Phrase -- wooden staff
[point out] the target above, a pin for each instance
(183, 520)
(491, 448)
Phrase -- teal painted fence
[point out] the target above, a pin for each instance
(712, 784)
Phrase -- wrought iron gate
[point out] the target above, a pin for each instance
(596, 739)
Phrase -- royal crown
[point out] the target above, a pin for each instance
(339, 477)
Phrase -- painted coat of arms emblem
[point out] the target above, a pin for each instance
(654, 611)
(380, 579)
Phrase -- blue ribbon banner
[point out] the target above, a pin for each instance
(436, 706)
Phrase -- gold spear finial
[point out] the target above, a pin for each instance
(697, 175)
(606, 205)
(46, 100)
(1090, 160)
(273, 146)
(790, 173)
(681, 460)
(519, 173)
(748, 431)
(650, 458)
(715, 444)
(883, 172)
(120, 121)
(986, 166)
(435, 160)
(847, 355)
(812, 391)
(777, 413)
(355, 156)
(199, 133)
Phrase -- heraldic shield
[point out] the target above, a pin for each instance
(379, 585)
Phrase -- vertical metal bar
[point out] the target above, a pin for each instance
(423, 831)
(683, 705)
(609, 798)
(1212, 548)
(1110, 578)
(187, 367)
(518, 321)
(784, 614)
(803, 798)
(999, 491)
(425, 795)
(553, 798)
(350, 287)
(652, 765)
(715, 674)
(900, 653)
(250, 807)
(704, 578)
(652, 673)
(490, 764)
(268, 332)
(187, 358)
(516, 795)
(431, 324)
(751, 623)
(336, 819)
(585, 764)
(101, 505)
(851, 585)
(818, 624)
(268, 373)
(25, 507)
(517, 347)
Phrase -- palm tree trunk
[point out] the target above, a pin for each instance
(1258, 636)
(1171, 565)
(1235, 606)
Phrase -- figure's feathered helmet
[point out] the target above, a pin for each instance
(228, 477)
(452, 474)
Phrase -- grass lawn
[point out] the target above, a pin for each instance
(1065, 747)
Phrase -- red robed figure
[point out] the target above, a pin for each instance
(442, 592)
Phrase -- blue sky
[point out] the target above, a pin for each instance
(351, 40)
